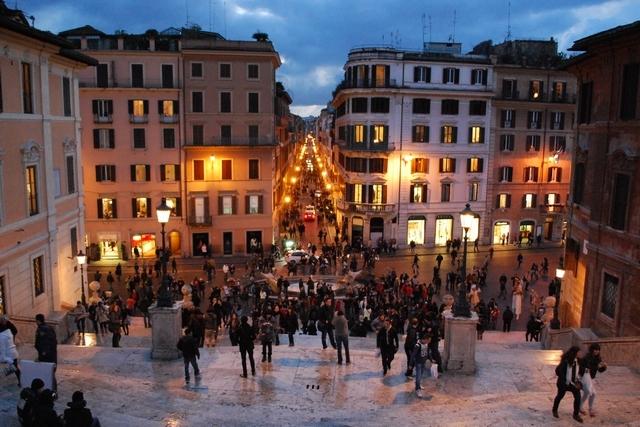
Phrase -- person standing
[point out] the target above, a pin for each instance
(516, 298)
(507, 317)
(567, 372)
(267, 336)
(439, 259)
(46, 345)
(188, 345)
(421, 354)
(119, 273)
(519, 258)
(246, 337)
(9, 353)
(325, 316)
(409, 345)
(79, 314)
(110, 280)
(341, 326)
(590, 365)
(387, 342)
(115, 324)
(289, 322)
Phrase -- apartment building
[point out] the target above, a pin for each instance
(602, 256)
(413, 143)
(532, 140)
(41, 207)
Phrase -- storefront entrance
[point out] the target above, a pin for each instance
(444, 229)
(548, 228)
(376, 230)
(174, 243)
(526, 231)
(357, 231)
(254, 242)
(197, 240)
(415, 229)
(145, 245)
(109, 247)
(501, 233)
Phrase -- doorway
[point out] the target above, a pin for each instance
(501, 233)
(174, 243)
(526, 231)
(357, 231)
(444, 229)
(227, 243)
(254, 242)
(415, 230)
(198, 239)
(376, 229)
(548, 228)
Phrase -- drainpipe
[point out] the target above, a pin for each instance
(400, 159)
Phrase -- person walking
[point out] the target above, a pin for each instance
(409, 345)
(519, 258)
(422, 354)
(267, 336)
(568, 381)
(325, 316)
(507, 317)
(590, 365)
(439, 259)
(246, 337)
(110, 280)
(46, 344)
(211, 324)
(79, 314)
(119, 272)
(188, 345)
(341, 326)
(115, 324)
(289, 322)
(9, 353)
(387, 342)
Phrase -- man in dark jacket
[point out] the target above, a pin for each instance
(325, 316)
(409, 344)
(387, 342)
(46, 341)
(77, 414)
(289, 322)
(507, 317)
(43, 412)
(188, 345)
(246, 337)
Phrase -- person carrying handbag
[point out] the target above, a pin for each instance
(568, 381)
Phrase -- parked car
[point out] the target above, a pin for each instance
(296, 256)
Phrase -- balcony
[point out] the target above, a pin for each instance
(366, 84)
(362, 146)
(553, 209)
(97, 118)
(233, 142)
(366, 208)
(542, 97)
(92, 82)
(133, 118)
(199, 220)
(169, 119)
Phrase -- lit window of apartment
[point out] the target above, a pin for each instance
(451, 75)
(198, 170)
(421, 74)
(139, 138)
(66, 96)
(140, 173)
(507, 142)
(552, 199)
(503, 201)
(141, 207)
(254, 169)
(534, 120)
(557, 143)
(358, 193)
(169, 172)
(379, 134)
(447, 165)
(448, 134)
(226, 205)
(475, 165)
(505, 174)
(450, 106)
(197, 70)
(418, 193)
(137, 75)
(104, 138)
(138, 110)
(38, 275)
(225, 102)
(536, 90)
(420, 133)
(376, 194)
(358, 133)
(476, 135)
(27, 88)
(533, 143)
(253, 102)
(168, 138)
(554, 174)
(421, 106)
(107, 208)
(509, 89)
(445, 192)
(226, 169)
(529, 201)
(174, 204)
(105, 173)
(359, 105)
(253, 71)
(479, 76)
(556, 120)
(474, 191)
(380, 75)
(197, 102)
(508, 119)
(420, 165)
(477, 108)
(102, 110)
(530, 174)
(31, 179)
(253, 204)
(224, 71)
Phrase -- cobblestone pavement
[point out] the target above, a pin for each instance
(514, 386)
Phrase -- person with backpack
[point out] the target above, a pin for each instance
(422, 354)
(267, 336)
(246, 337)
(567, 372)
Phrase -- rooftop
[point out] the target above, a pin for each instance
(612, 33)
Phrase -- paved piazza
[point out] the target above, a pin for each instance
(514, 385)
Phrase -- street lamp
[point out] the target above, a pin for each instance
(555, 322)
(461, 308)
(81, 258)
(165, 299)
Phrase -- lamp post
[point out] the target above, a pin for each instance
(462, 308)
(165, 299)
(81, 258)
(555, 322)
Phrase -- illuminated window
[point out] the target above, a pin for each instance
(380, 76)
(447, 165)
(529, 201)
(169, 172)
(475, 165)
(379, 134)
(357, 193)
(474, 191)
(504, 201)
(420, 133)
(167, 108)
(227, 205)
(254, 203)
(553, 199)
(420, 165)
(31, 178)
(140, 173)
(476, 135)
(138, 108)
(107, 208)
(535, 90)
(358, 133)
(448, 134)
(142, 208)
(38, 275)
(376, 194)
(174, 205)
(418, 193)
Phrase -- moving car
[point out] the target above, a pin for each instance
(295, 255)
(310, 213)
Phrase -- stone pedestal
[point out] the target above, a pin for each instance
(460, 343)
(166, 330)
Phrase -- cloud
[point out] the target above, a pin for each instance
(259, 12)
(307, 110)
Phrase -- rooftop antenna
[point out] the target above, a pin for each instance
(430, 27)
(210, 14)
(186, 8)
(424, 28)
(224, 16)
(508, 21)
(452, 37)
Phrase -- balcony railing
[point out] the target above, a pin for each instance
(169, 119)
(199, 220)
(543, 97)
(138, 119)
(222, 142)
(366, 84)
(126, 83)
(557, 209)
(366, 207)
(102, 119)
(364, 146)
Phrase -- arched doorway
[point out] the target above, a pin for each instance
(376, 229)
(357, 231)
(174, 242)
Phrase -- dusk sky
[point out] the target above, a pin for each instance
(313, 37)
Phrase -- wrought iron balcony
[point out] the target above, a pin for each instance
(366, 207)
(221, 142)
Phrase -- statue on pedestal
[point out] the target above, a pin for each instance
(187, 302)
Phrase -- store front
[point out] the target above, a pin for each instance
(109, 246)
(254, 242)
(474, 231)
(501, 232)
(145, 243)
(197, 240)
(526, 231)
(357, 231)
(444, 229)
(415, 229)
(376, 229)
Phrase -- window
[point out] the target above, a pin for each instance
(376, 194)
(225, 134)
(475, 165)
(102, 110)
(107, 208)
(559, 91)
(536, 90)
(66, 96)
(359, 105)
(71, 174)
(534, 120)
(508, 118)
(104, 138)
(57, 185)
(170, 172)
(105, 173)
(422, 74)
(141, 207)
(226, 205)
(505, 174)
(253, 204)
(198, 170)
(609, 295)
(578, 182)
(1, 110)
(629, 93)
(557, 143)
(379, 105)
(448, 134)
(253, 71)
(225, 102)
(533, 143)
(254, 169)
(451, 75)
(620, 201)
(174, 204)
(479, 76)
(477, 108)
(139, 138)
(358, 133)
(379, 134)
(421, 105)
(138, 110)
(3, 297)
(420, 165)
(380, 75)
(226, 169)
(552, 199)
(447, 165)
(529, 201)
(554, 174)
(137, 75)
(102, 75)
(476, 135)
(509, 88)
(27, 88)
(449, 106)
(445, 192)
(198, 134)
(418, 193)
(357, 192)
(31, 178)
(167, 75)
(530, 174)
(503, 201)
(474, 191)
(584, 106)
(168, 138)
(38, 275)
(73, 240)
(254, 132)
(377, 165)
(356, 164)
(253, 106)
(140, 173)
(196, 70)
(225, 71)
(556, 120)
(341, 110)
(197, 102)
(420, 133)
(507, 142)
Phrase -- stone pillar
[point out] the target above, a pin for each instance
(166, 330)
(460, 343)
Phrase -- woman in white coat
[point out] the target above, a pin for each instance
(9, 353)
(516, 299)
